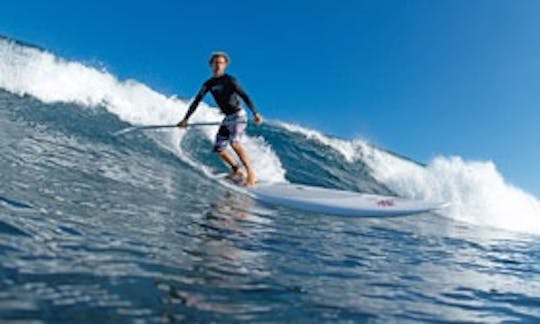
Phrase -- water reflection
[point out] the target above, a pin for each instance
(228, 264)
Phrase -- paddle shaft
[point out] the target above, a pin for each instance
(134, 128)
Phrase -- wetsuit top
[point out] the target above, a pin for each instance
(225, 89)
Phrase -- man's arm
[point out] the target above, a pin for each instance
(242, 93)
(194, 104)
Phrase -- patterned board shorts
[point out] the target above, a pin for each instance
(231, 129)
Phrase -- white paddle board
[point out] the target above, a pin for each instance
(332, 201)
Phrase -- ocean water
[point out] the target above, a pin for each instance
(96, 227)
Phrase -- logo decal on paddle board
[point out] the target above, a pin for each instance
(385, 203)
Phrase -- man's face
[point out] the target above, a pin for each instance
(219, 64)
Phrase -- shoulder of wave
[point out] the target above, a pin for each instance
(324, 138)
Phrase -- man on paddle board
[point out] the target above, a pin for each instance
(225, 89)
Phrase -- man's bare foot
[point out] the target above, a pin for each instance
(236, 174)
(251, 180)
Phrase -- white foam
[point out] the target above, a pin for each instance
(29, 71)
(477, 192)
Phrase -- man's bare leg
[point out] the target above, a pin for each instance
(236, 171)
(237, 147)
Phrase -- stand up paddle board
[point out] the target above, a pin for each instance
(331, 201)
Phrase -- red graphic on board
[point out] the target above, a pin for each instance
(385, 203)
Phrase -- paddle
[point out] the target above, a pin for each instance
(136, 128)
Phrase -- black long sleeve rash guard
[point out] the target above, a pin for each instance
(225, 89)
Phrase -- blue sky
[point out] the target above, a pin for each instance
(421, 78)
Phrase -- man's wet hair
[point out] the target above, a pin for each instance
(219, 54)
